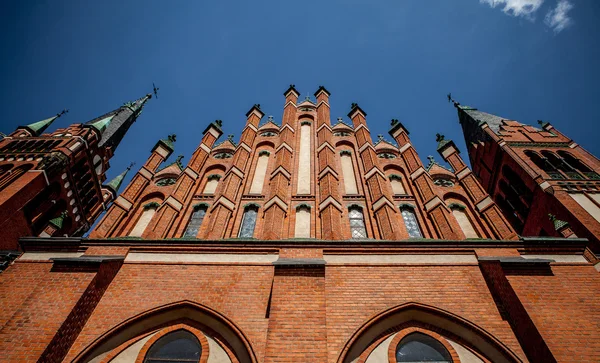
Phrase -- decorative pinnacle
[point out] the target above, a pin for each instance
(172, 137)
(219, 123)
(394, 122)
(353, 105)
(439, 137)
(257, 105)
(270, 119)
(380, 137)
(230, 137)
(179, 158)
(62, 112)
(340, 119)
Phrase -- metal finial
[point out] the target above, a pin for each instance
(62, 112)
(431, 159)
(340, 119)
(394, 122)
(380, 137)
(179, 158)
(270, 119)
(131, 164)
(540, 122)
(450, 99)
(230, 137)
(439, 137)
(353, 105)
(172, 137)
(155, 90)
(219, 123)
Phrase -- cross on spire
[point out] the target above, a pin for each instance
(270, 119)
(131, 164)
(62, 112)
(155, 90)
(380, 137)
(230, 137)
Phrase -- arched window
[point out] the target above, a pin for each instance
(248, 222)
(144, 220)
(179, 346)
(578, 164)
(418, 347)
(302, 229)
(348, 172)
(459, 212)
(211, 184)
(196, 221)
(304, 166)
(410, 221)
(561, 165)
(357, 222)
(397, 186)
(544, 165)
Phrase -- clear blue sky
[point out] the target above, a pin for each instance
(213, 60)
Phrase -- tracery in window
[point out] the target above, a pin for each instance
(268, 134)
(165, 182)
(386, 155)
(248, 222)
(357, 222)
(196, 221)
(223, 155)
(443, 182)
(179, 346)
(418, 347)
(410, 221)
(341, 133)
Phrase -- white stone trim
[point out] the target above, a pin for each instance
(205, 148)
(360, 127)
(245, 147)
(433, 203)
(329, 170)
(281, 170)
(398, 132)
(365, 145)
(502, 143)
(284, 145)
(484, 203)
(373, 171)
(484, 126)
(288, 126)
(174, 203)
(257, 113)
(405, 147)
(545, 185)
(381, 202)
(123, 203)
(325, 102)
(160, 150)
(225, 202)
(75, 146)
(201, 257)
(325, 144)
(326, 126)
(463, 173)
(417, 173)
(278, 201)
(192, 174)
(234, 169)
(212, 131)
(291, 103)
(252, 127)
(330, 200)
(146, 173)
(46, 256)
(403, 259)
(573, 145)
(449, 151)
(355, 112)
(559, 258)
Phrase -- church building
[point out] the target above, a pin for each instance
(303, 241)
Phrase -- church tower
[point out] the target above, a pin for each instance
(544, 182)
(51, 184)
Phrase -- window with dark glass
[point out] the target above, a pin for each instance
(195, 222)
(357, 223)
(418, 347)
(179, 346)
(248, 222)
(411, 223)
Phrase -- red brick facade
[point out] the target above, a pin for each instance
(304, 242)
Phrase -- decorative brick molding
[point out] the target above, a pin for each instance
(197, 333)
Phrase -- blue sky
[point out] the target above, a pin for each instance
(520, 59)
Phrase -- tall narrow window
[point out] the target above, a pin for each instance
(418, 347)
(211, 184)
(248, 222)
(179, 346)
(357, 222)
(588, 204)
(561, 165)
(302, 229)
(304, 159)
(578, 164)
(410, 221)
(259, 174)
(459, 212)
(348, 172)
(397, 186)
(544, 165)
(196, 221)
(144, 220)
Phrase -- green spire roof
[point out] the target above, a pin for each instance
(102, 124)
(115, 184)
(37, 128)
(170, 141)
(441, 140)
(58, 221)
(558, 224)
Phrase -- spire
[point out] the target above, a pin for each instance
(114, 125)
(115, 184)
(558, 224)
(58, 221)
(471, 120)
(37, 128)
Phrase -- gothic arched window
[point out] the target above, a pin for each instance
(578, 164)
(180, 346)
(561, 165)
(544, 164)
(357, 222)
(196, 221)
(410, 221)
(418, 347)
(248, 222)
